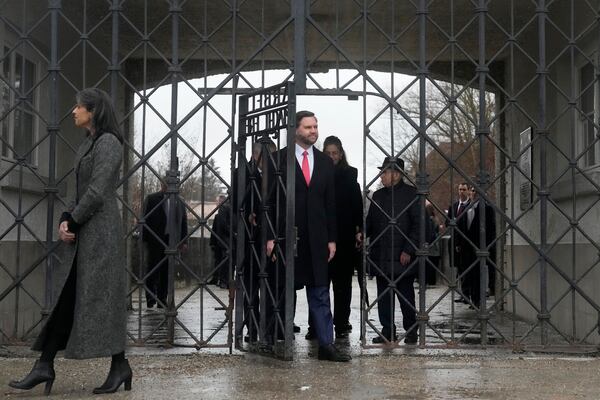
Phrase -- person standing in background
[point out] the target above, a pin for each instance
(393, 228)
(218, 239)
(349, 213)
(156, 237)
(455, 211)
(471, 225)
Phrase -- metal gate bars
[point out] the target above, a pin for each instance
(499, 95)
(265, 203)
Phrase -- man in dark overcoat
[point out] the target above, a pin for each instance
(316, 226)
(475, 240)
(455, 211)
(156, 237)
(393, 228)
(218, 242)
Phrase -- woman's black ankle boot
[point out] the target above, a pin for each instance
(41, 372)
(120, 373)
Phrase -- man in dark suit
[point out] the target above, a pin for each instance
(393, 228)
(456, 211)
(471, 225)
(217, 242)
(316, 226)
(156, 236)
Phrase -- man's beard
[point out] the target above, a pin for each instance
(301, 140)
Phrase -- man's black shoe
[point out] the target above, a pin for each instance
(310, 335)
(411, 339)
(296, 329)
(345, 327)
(250, 338)
(331, 353)
(341, 335)
(382, 339)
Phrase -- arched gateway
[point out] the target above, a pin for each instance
(501, 96)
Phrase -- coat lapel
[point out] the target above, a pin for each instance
(316, 168)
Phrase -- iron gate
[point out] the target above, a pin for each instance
(501, 95)
(265, 291)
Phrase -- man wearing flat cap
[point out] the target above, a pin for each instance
(392, 226)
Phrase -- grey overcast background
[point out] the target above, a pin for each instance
(337, 115)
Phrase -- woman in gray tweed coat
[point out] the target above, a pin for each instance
(88, 318)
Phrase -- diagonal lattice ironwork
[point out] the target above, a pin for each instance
(503, 71)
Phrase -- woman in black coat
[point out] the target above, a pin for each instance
(349, 214)
(89, 314)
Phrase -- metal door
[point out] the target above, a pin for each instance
(264, 202)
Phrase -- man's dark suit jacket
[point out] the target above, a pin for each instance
(156, 220)
(471, 243)
(388, 242)
(459, 236)
(315, 218)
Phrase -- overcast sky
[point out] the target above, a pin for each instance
(208, 128)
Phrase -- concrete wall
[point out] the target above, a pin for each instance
(572, 197)
(28, 300)
(570, 312)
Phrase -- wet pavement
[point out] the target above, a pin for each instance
(383, 376)
(452, 364)
(202, 321)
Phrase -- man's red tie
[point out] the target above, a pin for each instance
(305, 167)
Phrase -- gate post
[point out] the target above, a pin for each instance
(543, 192)
(172, 174)
(290, 217)
(422, 185)
(299, 11)
(53, 127)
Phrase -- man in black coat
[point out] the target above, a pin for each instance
(456, 211)
(316, 225)
(475, 240)
(393, 228)
(156, 236)
(218, 239)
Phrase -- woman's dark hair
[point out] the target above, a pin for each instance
(334, 140)
(100, 105)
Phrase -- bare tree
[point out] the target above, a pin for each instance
(451, 125)
(198, 182)
(447, 123)
(202, 183)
